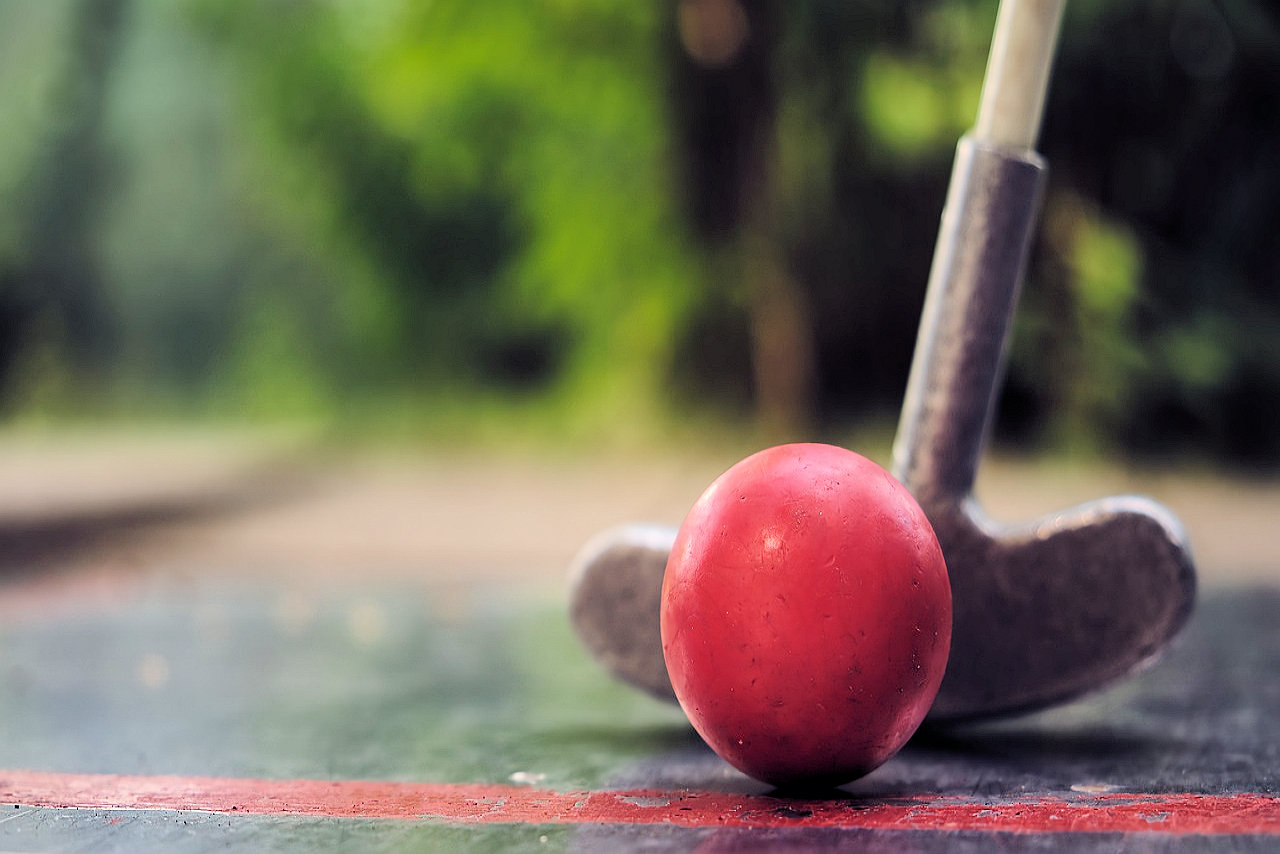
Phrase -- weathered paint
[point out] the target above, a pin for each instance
(1240, 814)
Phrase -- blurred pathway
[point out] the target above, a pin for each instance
(105, 504)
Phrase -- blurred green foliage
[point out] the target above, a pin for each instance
(493, 216)
(498, 172)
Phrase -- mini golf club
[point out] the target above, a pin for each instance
(1043, 612)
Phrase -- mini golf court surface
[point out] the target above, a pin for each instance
(193, 712)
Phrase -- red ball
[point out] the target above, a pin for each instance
(806, 615)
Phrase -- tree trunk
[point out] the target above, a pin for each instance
(726, 106)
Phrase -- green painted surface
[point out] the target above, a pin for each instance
(456, 683)
(403, 684)
(444, 684)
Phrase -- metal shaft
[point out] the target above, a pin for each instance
(982, 249)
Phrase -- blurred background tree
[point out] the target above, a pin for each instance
(601, 218)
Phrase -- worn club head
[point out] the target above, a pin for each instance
(1043, 612)
(1055, 609)
(615, 602)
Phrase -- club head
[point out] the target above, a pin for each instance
(615, 600)
(1043, 612)
(1049, 611)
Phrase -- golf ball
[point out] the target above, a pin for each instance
(806, 615)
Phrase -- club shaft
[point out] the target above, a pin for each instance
(978, 264)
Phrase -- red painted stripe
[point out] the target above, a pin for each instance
(470, 804)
